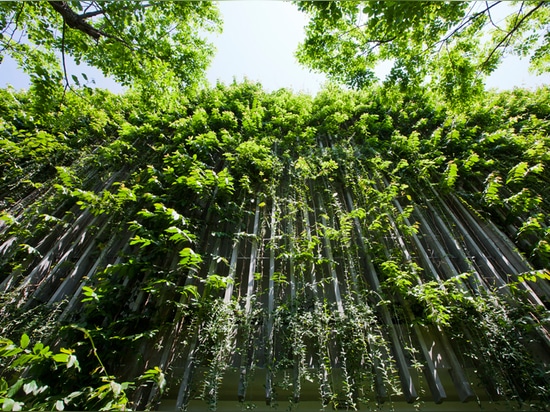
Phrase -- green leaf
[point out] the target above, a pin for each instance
(530, 226)
(189, 258)
(10, 405)
(30, 250)
(538, 168)
(73, 362)
(543, 249)
(146, 213)
(61, 357)
(6, 217)
(15, 387)
(189, 290)
(471, 161)
(116, 388)
(143, 242)
(156, 375)
(90, 294)
(216, 282)
(179, 235)
(517, 173)
(451, 174)
(491, 192)
(126, 194)
(24, 341)
(9, 349)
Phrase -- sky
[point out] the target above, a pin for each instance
(258, 43)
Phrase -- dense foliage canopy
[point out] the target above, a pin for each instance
(156, 44)
(450, 45)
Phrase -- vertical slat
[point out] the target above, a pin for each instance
(431, 372)
(330, 257)
(70, 283)
(270, 308)
(465, 392)
(409, 390)
(232, 270)
(246, 362)
(253, 260)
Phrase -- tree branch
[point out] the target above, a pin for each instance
(75, 21)
(509, 35)
(64, 62)
(90, 14)
(462, 25)
(491, 17)
(78, 22)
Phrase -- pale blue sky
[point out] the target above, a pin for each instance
(259, 41)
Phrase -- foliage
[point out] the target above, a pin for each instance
(45, 383)
(154, 43)
(439, 43)
(337, 233)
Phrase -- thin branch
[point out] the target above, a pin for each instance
(377, 43)
(510, 33)
(491, 18)
(465, 18)
(90, 14)
(517, 17)
(65, 74)
(99, 11)
(90, 4)
(462, 26)
(7, 44)
(63, 61)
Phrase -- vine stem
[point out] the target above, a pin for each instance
(94, 349)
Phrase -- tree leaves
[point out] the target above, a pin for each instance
(491, 192)
(189, 258)
(147, 44)
(521, 170)
(179, 235)
(156, 375)
(449, 45)
(450, 175)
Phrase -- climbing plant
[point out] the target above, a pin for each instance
(355, 245)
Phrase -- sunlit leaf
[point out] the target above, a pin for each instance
(24, 341)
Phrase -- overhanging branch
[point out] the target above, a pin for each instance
(75, 21)
(506, 39)
(78, 22)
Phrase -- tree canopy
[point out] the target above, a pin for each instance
(157, 43)
(449, 45)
